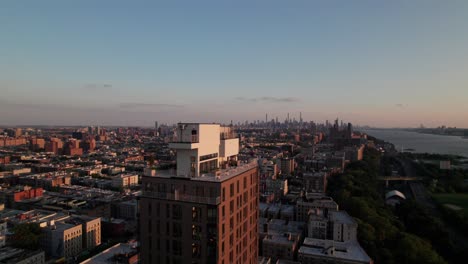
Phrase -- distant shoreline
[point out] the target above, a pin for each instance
(428, 132)
(413, 141)
(438, 134)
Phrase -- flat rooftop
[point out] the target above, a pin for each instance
(8, 252)
(106, 257)
(15, 255)
(59, 226)
(342, 217)
(284, 261)
(350, 250)
(218, 176)
(263, 206)
(279, 226)
(285, 239)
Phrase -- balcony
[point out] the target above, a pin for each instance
(228, 135)
(229, 172)
(182, 197)
(184, 144)
(186, 139)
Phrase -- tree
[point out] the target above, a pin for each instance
(151, 161)
(27, 236)
(381, 233)
(413, 250)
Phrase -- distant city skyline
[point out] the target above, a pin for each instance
(383, 64)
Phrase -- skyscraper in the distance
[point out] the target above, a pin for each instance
(206, 212)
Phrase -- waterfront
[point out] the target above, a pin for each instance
(422, 142)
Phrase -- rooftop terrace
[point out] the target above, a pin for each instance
(216, 176)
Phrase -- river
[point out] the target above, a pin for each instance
(422, 142)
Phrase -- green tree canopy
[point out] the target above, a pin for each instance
(27, 236)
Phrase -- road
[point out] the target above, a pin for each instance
(419, 191)
(422, 196)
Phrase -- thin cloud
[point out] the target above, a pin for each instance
(269, 99)
(400, 105)
(97, 86)
(62, 107)
(147, 105)
(46, 107)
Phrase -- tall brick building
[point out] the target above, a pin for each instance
(207, 212)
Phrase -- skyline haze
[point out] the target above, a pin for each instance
(385, 64)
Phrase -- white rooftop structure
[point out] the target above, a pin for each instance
(204, 148)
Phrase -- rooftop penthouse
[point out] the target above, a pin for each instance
(206, 157)
(204, 148)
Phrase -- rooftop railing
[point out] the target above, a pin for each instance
(235, 170)
(186, 139)
(228, 135)
(182, 197)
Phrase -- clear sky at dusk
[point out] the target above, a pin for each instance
(382, 63)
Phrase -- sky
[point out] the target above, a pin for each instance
(129, 63)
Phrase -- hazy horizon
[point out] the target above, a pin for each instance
(382, 64)
(356, 126)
